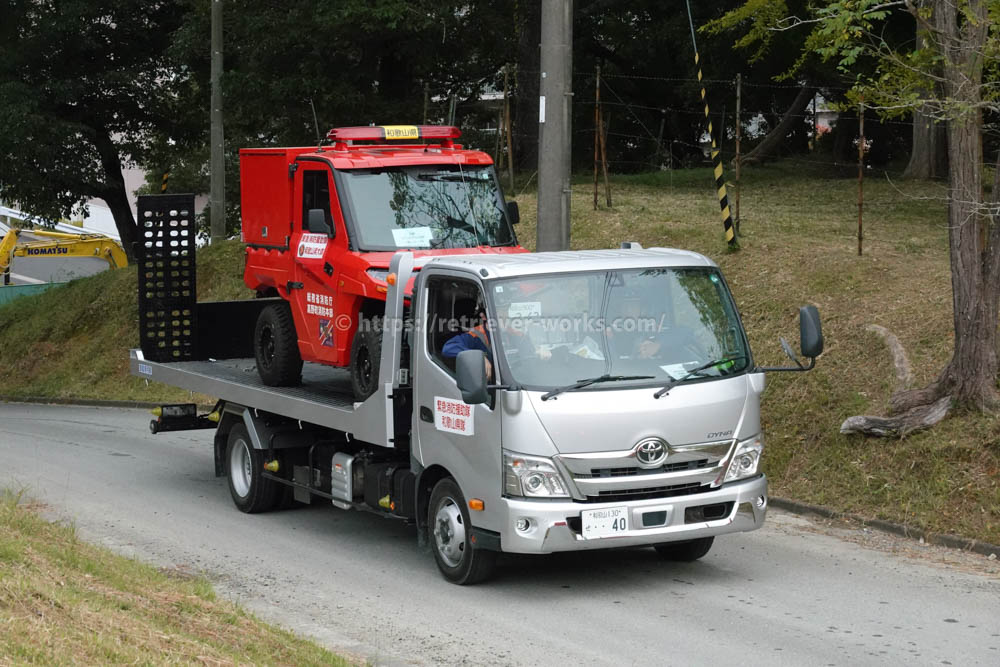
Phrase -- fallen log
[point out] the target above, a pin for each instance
(900, 426)
(911, 410)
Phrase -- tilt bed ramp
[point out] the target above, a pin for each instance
(659, 446)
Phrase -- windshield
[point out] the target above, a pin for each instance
(638, 327)
(427, 206)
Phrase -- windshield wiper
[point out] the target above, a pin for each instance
(441, 178)
(580, 384)
(695, 372)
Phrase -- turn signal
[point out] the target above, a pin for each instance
(477, 505)
(391, 278)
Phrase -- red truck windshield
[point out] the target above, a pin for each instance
(425, 207)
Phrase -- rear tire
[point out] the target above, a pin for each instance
(460, 561)
(251, 492)
(276, 347)
(685, 551)
(366, 357)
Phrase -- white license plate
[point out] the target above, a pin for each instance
(606, 522)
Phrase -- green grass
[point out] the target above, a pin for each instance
(63, 601)
(71, 341)
(799, 246)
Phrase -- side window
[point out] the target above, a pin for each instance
(316, 194)
(452, 321)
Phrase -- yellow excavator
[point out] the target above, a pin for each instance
(58, 244)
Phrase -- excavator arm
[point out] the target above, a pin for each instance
(58, 244)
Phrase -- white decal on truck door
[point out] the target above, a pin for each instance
(453, 416)
(312, 246)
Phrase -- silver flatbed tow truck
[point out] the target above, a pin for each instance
(527, 403)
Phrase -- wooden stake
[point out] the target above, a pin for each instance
(506, 125)
(736, 185)
(604, 157)
(597, 126)
(861, 170)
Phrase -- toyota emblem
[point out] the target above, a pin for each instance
(650, 453)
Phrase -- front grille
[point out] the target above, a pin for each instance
(647, 493)
(634, 471)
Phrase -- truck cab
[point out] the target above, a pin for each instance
(622, 407)
(321, 224)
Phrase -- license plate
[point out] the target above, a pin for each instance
(606, 522)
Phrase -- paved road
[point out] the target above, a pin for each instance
(31, 270)
(790, 594)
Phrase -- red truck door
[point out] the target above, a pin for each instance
(314, 296)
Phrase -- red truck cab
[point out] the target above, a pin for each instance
(321, 224)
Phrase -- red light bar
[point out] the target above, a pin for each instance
(394, 133)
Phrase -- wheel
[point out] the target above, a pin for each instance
(459, 560)
(251, 492)
(685, 551)
(366, 355)
(276, 347)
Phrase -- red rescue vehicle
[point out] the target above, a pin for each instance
(321, 224)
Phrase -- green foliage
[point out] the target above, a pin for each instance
(83, 83)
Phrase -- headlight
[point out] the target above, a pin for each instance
(532, 477)
(378, 274)
(746, 460)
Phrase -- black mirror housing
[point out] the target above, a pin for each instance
(810, 332)
(513, 212)
(316, 222)
(470, 371)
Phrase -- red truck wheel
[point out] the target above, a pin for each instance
(276, 347)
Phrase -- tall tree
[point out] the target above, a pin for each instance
(963, 40)
(83, 84)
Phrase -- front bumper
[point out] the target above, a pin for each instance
(554, 526)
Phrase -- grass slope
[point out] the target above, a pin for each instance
(799, 246)
(65, 602)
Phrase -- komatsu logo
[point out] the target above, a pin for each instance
(48, 251)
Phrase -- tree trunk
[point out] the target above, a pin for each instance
(929, 154)
(767, 149)
(525, 123)
(113, 192)
(973, 242)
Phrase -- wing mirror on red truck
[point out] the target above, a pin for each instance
(513, 214)
(316, 222)
(470, 372)
(810, 342)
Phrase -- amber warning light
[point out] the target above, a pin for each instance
(394, 133)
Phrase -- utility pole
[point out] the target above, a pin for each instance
(218, 176)
(554, 119)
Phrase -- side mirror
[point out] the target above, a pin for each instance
(513, 213)
(470, 369)
(810, 332)
(811, 342)
(316, 222)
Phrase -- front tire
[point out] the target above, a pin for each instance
(251, 492)
(366, 357)
(460, 561)
(276, 347)
(685, 551)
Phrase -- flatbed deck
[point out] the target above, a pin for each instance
(324, 398)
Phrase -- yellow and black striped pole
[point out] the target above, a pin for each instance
(163, 187)
(720, 180)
